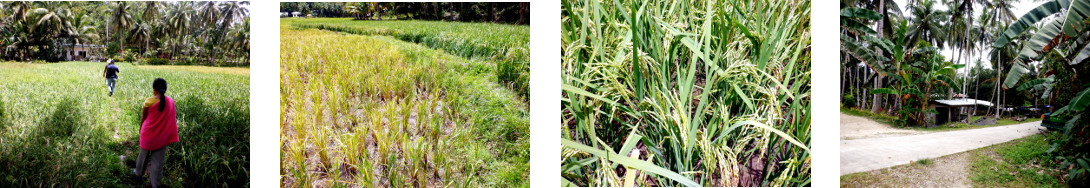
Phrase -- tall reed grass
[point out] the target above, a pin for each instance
(685, 93)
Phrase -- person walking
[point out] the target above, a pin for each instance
(111, 75)
(158, 130)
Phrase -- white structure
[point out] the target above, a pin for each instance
(81, 52)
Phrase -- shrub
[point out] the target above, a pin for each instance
(158, 61)
(848, 101)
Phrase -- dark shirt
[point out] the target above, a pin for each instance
(111, 71)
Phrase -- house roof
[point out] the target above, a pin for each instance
(964, 102)
(85, 45)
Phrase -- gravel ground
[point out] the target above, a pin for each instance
(854, 127)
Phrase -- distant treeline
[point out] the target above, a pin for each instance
(186, 32)
(496, 12)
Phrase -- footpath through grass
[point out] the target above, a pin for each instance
(377, 111)
(504, 46)
(58, 126)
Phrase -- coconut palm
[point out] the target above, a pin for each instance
(120, 20)
(83, 31)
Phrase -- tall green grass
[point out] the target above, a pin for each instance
(505, 46)
(685, 93)
(376, 111)
(59, 128)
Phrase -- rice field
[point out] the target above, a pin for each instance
(59, 127)
(505, 46)
(361, 110)
(685, 93)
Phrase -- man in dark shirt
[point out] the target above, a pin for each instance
(111, 75)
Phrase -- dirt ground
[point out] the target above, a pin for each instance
(947, 171)
(855, 127)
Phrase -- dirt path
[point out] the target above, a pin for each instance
(855, 127)
(947, 171)
(867, 154)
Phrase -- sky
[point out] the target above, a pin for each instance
(1020, 8)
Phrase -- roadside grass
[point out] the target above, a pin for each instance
(1021, 162)
(59, 128)
(377, 111)
(964, 126)
(924, 161)
(880, 118)
(504, 46)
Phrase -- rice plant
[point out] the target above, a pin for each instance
(59, 127)
(505, 46)
(685, 93)
(394, 113)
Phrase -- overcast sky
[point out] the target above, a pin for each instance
(1020, 8)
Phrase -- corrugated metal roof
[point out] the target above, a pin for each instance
(964, 102)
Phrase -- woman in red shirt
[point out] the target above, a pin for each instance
(159, 129)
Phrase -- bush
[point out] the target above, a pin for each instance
(158, 61)
(848, 101)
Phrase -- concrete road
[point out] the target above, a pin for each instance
(868, 154)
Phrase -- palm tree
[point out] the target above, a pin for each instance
(121, 20)
(82, 32)
(209, 19)
(232, 13)
(178, 23)
(50, 21)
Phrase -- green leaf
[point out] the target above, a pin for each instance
(1040, 42)
(1015, 74)
(576, 90)
(886, 91)
(1076, 15)
(630, 162)
(856, 27)
(745, 98)
(1028, 20)
(1083, 54)
(785, 136)
(1034, 83)
(860, 13)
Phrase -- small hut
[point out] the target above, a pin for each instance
(954, 110)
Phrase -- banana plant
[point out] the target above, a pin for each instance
(1063, 31)
(916, 81)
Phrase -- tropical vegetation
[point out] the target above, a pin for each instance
(186, 32)
(685, 93)
(496, 12)
(1032, 59)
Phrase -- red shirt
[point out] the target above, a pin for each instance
(160, 128)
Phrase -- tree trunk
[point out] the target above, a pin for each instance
(878, 82)
(998, 76)
(492, 13)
